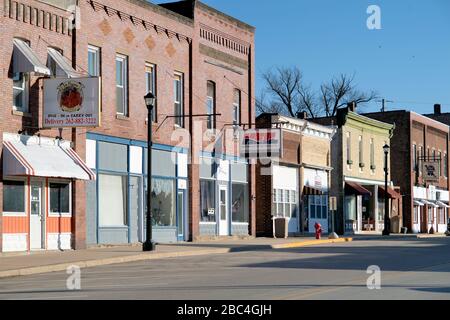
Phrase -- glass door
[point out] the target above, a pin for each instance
(180, 215)
(36, 216)
(223, 211)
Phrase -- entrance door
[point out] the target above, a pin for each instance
(223, 211)
(180, 215)
(136, 214)
(36, 216)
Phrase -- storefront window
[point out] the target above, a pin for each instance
(14, 196)
(207, 200)
(430, 214)
(318, 207)
(59, 197)
(350, 208)
(239, 203)
(112, 200)
(416, 214)
(285, 203)
(163, 203)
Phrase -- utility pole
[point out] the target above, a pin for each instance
(383, 104)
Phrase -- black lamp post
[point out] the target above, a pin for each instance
(149, 245)
(387, 221)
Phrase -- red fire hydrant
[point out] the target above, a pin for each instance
(318, 228)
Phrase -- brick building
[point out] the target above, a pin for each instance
(199, 63)
(295, 186)
(417, 141)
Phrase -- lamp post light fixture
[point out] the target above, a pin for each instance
(149, 244)
(387, 221)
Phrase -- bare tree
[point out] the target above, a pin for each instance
(291, 96)
(340, 91)
(284, 87)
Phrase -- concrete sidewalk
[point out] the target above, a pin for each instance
(18, 264)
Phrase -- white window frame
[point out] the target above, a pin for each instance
(124, 60)
(348, 149)
(237, 107)
(25, 189)
(25, 88)
(210, 105)
(283, 197)
(59, 214)
(416, 214)
(150, 69)
(178, 80)
(97, 60)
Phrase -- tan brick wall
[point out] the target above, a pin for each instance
(316, 151)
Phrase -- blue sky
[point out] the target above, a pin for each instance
(407, 61)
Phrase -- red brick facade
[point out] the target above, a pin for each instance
(412, 129)
(186, 37)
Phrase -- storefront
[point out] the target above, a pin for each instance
(285, 196)
(37, 192)
(224, 197)
(315, 199)
(430, 211)
(116, 202)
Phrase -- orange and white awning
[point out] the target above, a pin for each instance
(42, 157)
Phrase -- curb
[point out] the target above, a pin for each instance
(309, 243)
(107, 261)
(157, 256)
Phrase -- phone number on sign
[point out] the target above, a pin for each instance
(70, 121)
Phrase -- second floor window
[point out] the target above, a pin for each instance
(421, 155)
(178, 99)
(94, 61)
(150, 85)
(361, 158)
(20, 91)
(122, 85)
(348, 146)
(210, 104)
(414, 157)
(237, 107)
(372, 154)
(445, 165)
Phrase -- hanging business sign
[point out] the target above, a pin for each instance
(71, 102)
(261, 143)
(431, 171)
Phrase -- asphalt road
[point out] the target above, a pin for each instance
(410, 269)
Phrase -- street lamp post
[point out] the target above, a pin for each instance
(149, 245)
(387, 222)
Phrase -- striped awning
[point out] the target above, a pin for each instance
(46, 158)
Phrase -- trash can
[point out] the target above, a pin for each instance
(280, 227)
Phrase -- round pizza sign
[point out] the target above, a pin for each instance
(70, 96)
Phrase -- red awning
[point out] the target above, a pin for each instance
(355, 188)
(392, 194)
(311, 191)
